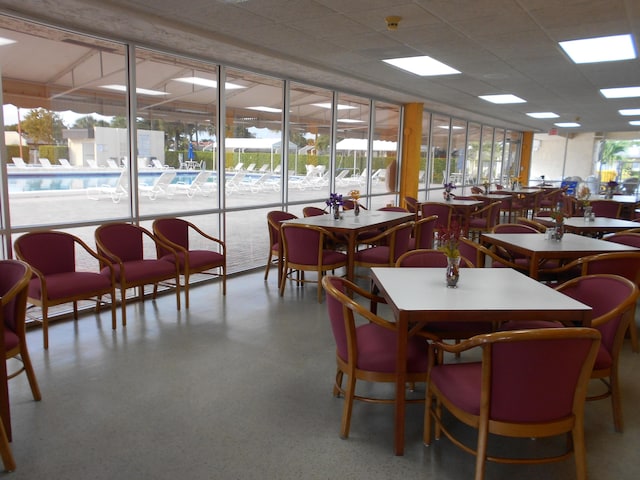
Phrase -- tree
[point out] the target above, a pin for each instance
(42, 126)
(89, 122)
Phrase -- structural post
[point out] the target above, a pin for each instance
(411, 142)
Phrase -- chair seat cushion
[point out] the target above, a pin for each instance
(331, 257)
(198, 259)
(460, 383)
(379, 255)
(377, 350)
(141, 270)
(70, 284)
(11, 340)
(478, 223)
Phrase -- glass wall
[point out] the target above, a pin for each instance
(97, 130)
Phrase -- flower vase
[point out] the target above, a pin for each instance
(453, 271)
(336, 212)
(587, 213)
(447, 196)
(559, 231)
(356, 209)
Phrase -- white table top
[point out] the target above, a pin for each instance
(618, 198)
(570, 243)
(349, 221)
(486, 290)
(599, 222)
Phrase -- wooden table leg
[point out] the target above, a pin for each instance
(401, 380)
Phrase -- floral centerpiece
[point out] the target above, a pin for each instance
(448, 187)
(449, 244)
(558, 217)
(583, 196)
(355, 196)
(334, 202)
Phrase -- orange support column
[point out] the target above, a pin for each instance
(410, 159)
(525, 157)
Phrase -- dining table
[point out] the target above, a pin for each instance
(349, 226)
(463, 210)
(418, 296)
(597, 226)
(538, 247)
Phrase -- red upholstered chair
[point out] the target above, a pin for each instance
(531, 223)
(484, 219)
(606, 208)
(549, 200)
(477, 254)
(423, 232)
(528, 384)
(348, 204)
(15, 277)
(412, 204)
(388, 246)
(443, 211)
(122, 244)
(57, 279)
(366, 351)
(313, 211)
(613, 300)
(304, 250)
(428, 258)
(625, 238)
(196, 251)
(274, 219)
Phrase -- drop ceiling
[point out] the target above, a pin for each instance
(500, 46)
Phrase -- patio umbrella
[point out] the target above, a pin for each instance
(191, 155)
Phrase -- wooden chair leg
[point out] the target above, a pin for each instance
(5, 451)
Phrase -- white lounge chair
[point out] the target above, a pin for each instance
(235, 183)
(112, 164)
(65, 163)
(200, 184)
(158, 164)
(160, 186)
(251, 167)
(116, 193)
(45, 163)
(92, 163)
(19, 162)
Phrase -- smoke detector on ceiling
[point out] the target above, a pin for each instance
(392, 22)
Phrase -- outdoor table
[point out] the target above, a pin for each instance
(537, 247)
(350, 226)
(596, 227)
(420, 295)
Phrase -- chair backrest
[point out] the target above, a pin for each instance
(303, 244)
(274, 218)
(348, 204)
(14, 286)
(632, 239)
(531, 223)
(399, 238)
(312, 211)
(48, 252)
(513, 228)
(412, 204)
(611, 297)
(165, 178)
(424, 230)
(427, 258)
(122, 240)
(476, 190)
(494, 214)
(441, 210)
(625, 264)
(341, 307)
(176, 230)
(536, 376)
(606, 208)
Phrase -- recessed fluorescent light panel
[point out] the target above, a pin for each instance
(349, 120)
(622, 92)
(328, 106)
(266, 109)
(567, 124)
(502, 99)
(629, 112)
(601, 49)
(424, 66)
(543, 115)
(6, 41)
(635, 122)
(140, 91)
(205, 82)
